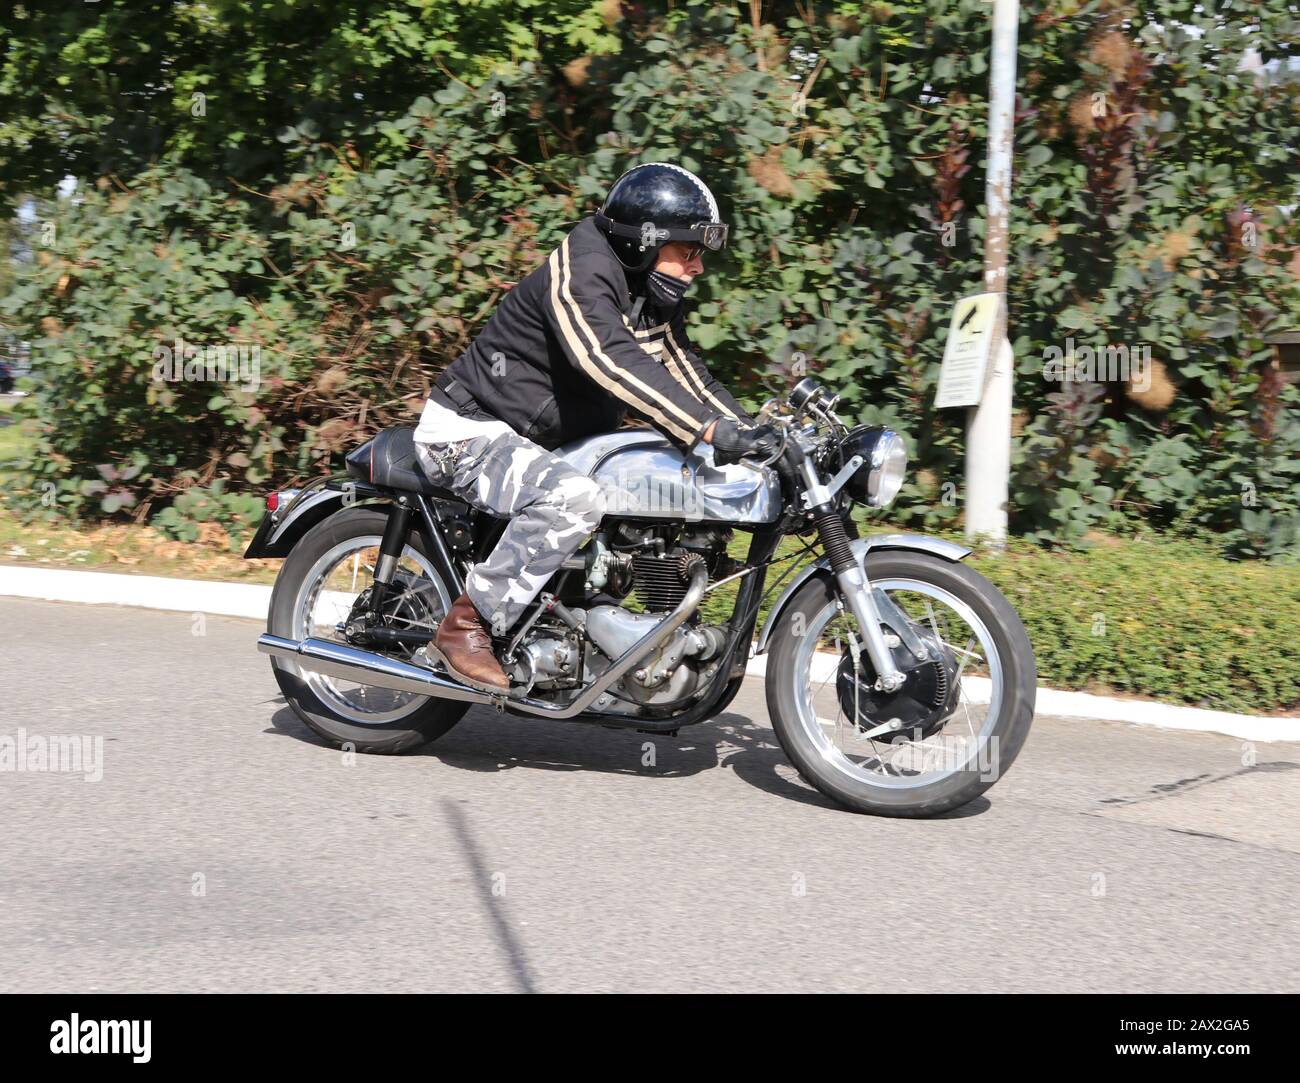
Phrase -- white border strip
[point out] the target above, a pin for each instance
(146, 591)
(1052, 701)
(252, 601)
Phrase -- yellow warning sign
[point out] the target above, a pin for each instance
(975, 323)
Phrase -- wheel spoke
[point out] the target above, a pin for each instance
(929, 613)
(966, 650)
(407, 622)
(408, 593)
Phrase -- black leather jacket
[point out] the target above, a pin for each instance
(575, 346)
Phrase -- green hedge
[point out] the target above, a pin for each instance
(1160, 618)
(1148, 616)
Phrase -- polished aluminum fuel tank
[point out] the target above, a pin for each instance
(645, 475)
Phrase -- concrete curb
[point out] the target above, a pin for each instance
(251, 601)
(1053, 701)
(145, 591)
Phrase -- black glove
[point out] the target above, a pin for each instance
(731, 443)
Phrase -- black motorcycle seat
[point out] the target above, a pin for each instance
(389, 461)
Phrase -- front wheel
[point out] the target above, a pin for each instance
(954, 727)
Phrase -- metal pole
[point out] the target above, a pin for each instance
(988, 425)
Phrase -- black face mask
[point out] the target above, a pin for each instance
(666, 291)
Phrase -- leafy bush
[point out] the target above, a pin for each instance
(1158, 618)
(1147, 616)
(235, 513)
(847, 154)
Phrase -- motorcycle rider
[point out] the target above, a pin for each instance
(594, 332)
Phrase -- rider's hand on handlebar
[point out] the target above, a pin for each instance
(731, 443)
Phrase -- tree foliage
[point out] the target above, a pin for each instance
(1156, 143)
(219, 87)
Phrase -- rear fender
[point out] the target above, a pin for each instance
(281, 529)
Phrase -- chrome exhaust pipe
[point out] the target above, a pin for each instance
(366, 667)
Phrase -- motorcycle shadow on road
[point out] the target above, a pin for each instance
(484, 741)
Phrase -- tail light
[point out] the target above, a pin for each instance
(280, 499)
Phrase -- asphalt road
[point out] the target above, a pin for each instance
(225, 849)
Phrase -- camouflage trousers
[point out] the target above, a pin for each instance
(553, 508)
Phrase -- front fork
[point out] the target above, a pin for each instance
(850, 576)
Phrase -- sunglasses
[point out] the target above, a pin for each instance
(713, 236)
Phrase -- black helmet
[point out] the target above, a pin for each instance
(650, 205)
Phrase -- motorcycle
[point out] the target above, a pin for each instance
(899, 681)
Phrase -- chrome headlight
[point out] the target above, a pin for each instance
(878, 480)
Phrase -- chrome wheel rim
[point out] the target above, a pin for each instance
(324, 600)
(905, 762)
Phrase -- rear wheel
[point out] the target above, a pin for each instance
(325, 576)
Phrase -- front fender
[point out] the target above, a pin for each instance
(861, 547)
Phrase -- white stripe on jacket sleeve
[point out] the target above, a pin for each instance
(598, 365)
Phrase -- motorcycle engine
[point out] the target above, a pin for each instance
(654, 558)
(671, 673)
(548, 657)
(652, 562)
(551, 657)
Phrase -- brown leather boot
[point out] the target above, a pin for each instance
(466, 645)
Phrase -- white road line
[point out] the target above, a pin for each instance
(252, 600)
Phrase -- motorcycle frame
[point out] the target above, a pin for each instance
(422, 513)
(419, 512)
